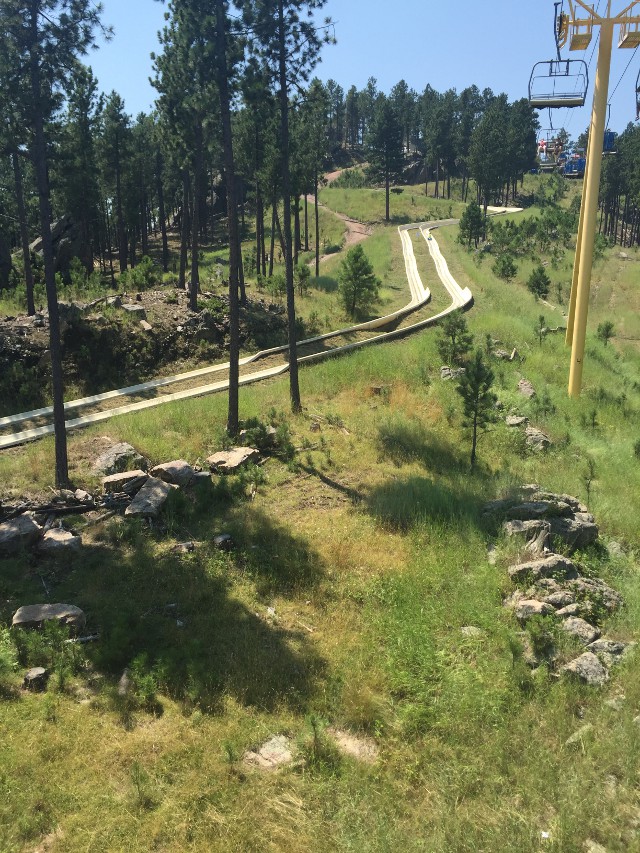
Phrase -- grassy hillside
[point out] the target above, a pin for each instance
(361, 557)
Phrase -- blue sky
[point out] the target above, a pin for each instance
(439, 42)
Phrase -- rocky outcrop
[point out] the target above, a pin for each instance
(118, 458)
(555, 586)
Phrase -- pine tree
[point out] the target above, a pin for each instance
(39, 40)
(474, 386)
(455, 341)
(358, 284)
(539, 282)
(384, 145)
(472, 224)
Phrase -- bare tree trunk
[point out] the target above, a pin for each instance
(42, 178)
(184, 236)
(272, 247)
(162, 214)
(294, 384)
(24, 232)
(194, 288)
(317, 210)
(306, 222)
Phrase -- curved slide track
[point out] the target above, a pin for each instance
(101, 407)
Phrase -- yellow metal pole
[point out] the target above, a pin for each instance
(576, 262)
(592, 178)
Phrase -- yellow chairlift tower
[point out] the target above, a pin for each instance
(576, 28)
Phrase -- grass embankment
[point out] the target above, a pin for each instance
(372, 551)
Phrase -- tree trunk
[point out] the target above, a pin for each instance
(162, 215)
(296, 230)
(42, 179)
(24, 232)
(232, 218)
(272, 246)
(317, 210)
(121, 230)
(294, 385)
(474, 439)
(194, 288)
(386, 192)
(184, 230)
(306, 222)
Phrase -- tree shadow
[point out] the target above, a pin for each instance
(325, 283)
(403, 441)
(179, 613)
(404, 502)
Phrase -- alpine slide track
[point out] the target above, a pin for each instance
(264, 364)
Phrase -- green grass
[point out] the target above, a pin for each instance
(372, 550)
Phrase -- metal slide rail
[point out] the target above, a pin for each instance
(461, 298)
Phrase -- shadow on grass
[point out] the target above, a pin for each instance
(403, 441)
(325, 283)
(179, 613)
(404, 502)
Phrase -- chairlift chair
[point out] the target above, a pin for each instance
(558, 83)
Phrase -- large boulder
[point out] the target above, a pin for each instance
(580, 629)
(178, 472)
(576, 532)
(59, 541)
(552, 566)
(536, 438)
(18, 533)
(525, 530)
(539, 509)
(587, 668)
(149, 500)
(229, 461)
(120, 457)
(529, 607)
(34, 615)
(526, 389)
(128, 481)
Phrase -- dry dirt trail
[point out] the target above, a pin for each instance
(272, 362)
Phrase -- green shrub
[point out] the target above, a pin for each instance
(505, 267)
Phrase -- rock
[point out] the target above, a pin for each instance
(615, 549)
(516, 420)
(587, 668)
(125, 684)
(578, 737)
(18, 533)
(362, 748)
(593, 847)
(82, 497)
(114, 301)
(623, 256)
(146, 327)
(129, 482)
(555, 565)
(529, 607)
(58, 540)
(315, 426)
(537, 439)
(527, 530)
(559, 599)
(571, 609)
(276, 752)
(149, 500)
(228, 461)
(574, 532)
(526, 389)
(596, 590)
(502, 354)
(33, 615)
(451, 372)
(120, 457)
(553, 497)
(178, 472)
(538, 509)
(498, 506)
(35, 679)
(471, 631)
(136, 311)
(224, 542)
(581, 629)
(610, 652)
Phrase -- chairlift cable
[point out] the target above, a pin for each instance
(625, 71)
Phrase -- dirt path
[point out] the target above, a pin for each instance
(355, 232)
